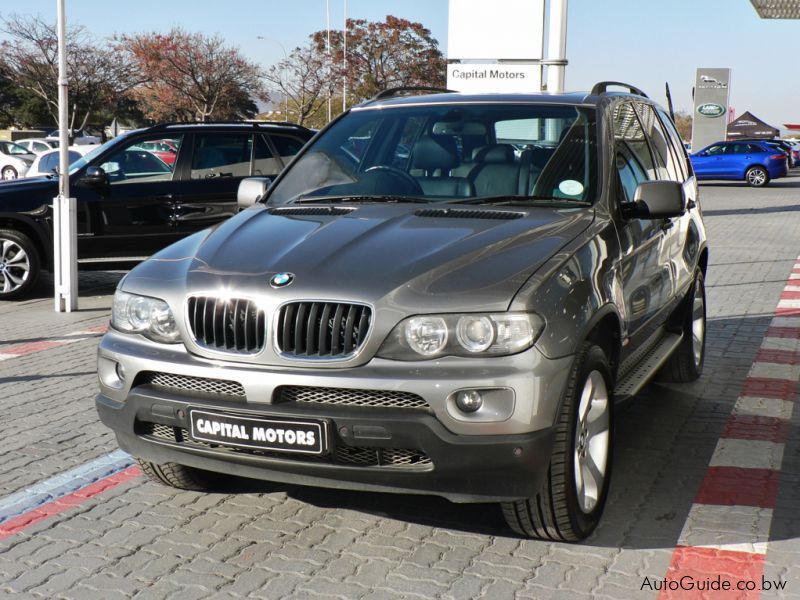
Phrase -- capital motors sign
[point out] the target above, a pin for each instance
(711, 109)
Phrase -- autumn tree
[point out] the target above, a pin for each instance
(683, 123)
(192, 76)
(306, 80)
(98, 77)
(384, 54)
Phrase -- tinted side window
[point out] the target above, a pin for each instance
(286, 146)
(664, 161)
(716, 150)
(678, 149)
(221, 155)
(48, 163)
(754, 148)
(630, 136)
(134, 164)
(631, 173)
(264, 162)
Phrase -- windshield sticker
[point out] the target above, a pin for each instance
(570, 187)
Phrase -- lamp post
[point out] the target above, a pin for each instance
(65, 236)
(285, 58)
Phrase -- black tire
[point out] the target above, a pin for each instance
(13, 271)
(555, 512)
(9, 173)
(683, 366)
(756, 177)
(181, 477)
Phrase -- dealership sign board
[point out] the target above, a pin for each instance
(476, 78)
(711, 95)
(498, 45)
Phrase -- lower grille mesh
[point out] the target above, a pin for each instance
(186, 383)
(349, 397)
(357, 456)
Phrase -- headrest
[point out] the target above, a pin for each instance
(499, 153)
(432, 153)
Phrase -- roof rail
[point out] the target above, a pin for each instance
(602, 86)
(254, 124)
(398, 91)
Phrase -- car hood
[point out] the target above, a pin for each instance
(406, 257)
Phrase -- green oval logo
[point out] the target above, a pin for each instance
(709, 109)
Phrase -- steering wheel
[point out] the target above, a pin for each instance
(400, 177)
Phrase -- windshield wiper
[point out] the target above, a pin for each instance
(545, 200)
(360, 198)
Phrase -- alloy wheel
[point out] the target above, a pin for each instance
(698, 324)
(592, 439)
(9, 173)
(15, 266)
(756, 177)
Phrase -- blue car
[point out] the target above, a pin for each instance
(755, 162)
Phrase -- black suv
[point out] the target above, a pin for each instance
(139, 193)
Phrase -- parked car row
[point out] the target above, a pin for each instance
(756, 162)
(136, 194)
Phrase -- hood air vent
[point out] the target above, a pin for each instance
(455, 213)
(310, 211)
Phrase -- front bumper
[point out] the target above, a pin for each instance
(441, 454)
(461, 468)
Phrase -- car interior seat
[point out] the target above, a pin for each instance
(436, 156)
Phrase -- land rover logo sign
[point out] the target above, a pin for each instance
(280, 280)
(709, 109)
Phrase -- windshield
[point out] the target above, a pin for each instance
(445, 153)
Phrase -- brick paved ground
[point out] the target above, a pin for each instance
(271, 541)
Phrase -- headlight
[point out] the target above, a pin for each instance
(426, 335)
(151, 317)
(433, 336)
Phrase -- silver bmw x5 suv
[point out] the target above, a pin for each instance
(442, 294)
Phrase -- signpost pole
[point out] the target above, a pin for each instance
(64, 213)
(557, 46)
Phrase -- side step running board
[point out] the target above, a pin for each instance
(635, 379)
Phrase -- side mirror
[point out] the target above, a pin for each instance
(94, 176)
(251, 190)
(657, 200)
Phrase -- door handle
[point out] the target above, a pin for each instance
(167, 197)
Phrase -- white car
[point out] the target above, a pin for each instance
(14, 160)
(47, 162)
(79, 138)
(38, 145)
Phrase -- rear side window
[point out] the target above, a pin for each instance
(221, 155)
(287, 146)
(754, 148)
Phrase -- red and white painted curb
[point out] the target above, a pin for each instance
(9, 352)
(48, 498)
(727, 529)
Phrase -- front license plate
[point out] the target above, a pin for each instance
(279, 435)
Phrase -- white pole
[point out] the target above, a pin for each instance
(344, 60)
(64, 221)
(557, 46)
(328, 26)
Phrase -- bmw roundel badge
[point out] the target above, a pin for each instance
(280, 280)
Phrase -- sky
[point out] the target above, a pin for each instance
(643, 42)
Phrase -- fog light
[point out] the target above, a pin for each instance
(469, 401)
(120, 372)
